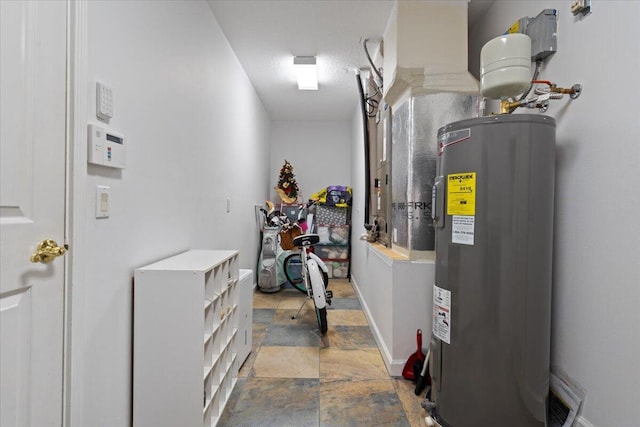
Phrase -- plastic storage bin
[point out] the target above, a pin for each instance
(332, 251)
(337, 269)
(333, 234)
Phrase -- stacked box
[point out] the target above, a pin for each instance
(338, 269)
(332, 215)
(292, 211)
(332, 252)
(333, 247)
(333, 234)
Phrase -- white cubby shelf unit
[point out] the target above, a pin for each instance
(185, 328)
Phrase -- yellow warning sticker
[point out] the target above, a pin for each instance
(461, 193)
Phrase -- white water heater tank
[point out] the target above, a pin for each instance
(505, 66)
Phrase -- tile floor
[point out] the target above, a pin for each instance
(294, 376)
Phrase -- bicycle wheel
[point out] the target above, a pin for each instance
(321, 314)
(293, 272)
(325, 276)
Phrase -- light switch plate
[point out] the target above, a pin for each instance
(102, 201)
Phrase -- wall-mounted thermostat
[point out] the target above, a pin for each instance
(106, 147)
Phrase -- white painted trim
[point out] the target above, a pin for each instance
(582, 422)
(394, 367)
(75, 210)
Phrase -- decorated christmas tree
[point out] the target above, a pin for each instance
(287, 187)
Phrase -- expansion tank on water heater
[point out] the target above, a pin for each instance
(493, 195)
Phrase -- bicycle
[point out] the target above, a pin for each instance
(312, 278)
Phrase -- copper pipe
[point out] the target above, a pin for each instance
(506, 107)
(556, 89)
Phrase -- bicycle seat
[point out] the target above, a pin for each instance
(306, 239)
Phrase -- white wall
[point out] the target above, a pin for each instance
(196, 134)
(595, 338)
(319, 152)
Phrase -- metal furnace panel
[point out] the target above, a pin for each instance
(414, 141)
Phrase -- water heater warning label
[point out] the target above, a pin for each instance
(461, 194)
(463, 229)
(442, 314)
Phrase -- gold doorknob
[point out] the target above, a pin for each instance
(47, 250)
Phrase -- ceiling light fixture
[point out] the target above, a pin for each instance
(306, 72)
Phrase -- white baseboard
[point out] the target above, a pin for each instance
(394, 367)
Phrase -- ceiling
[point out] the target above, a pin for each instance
(266, 34)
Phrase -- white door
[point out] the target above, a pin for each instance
(32, 208)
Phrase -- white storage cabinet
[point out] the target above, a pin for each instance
(185, 329)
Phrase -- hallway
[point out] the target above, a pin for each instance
(296, 377)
